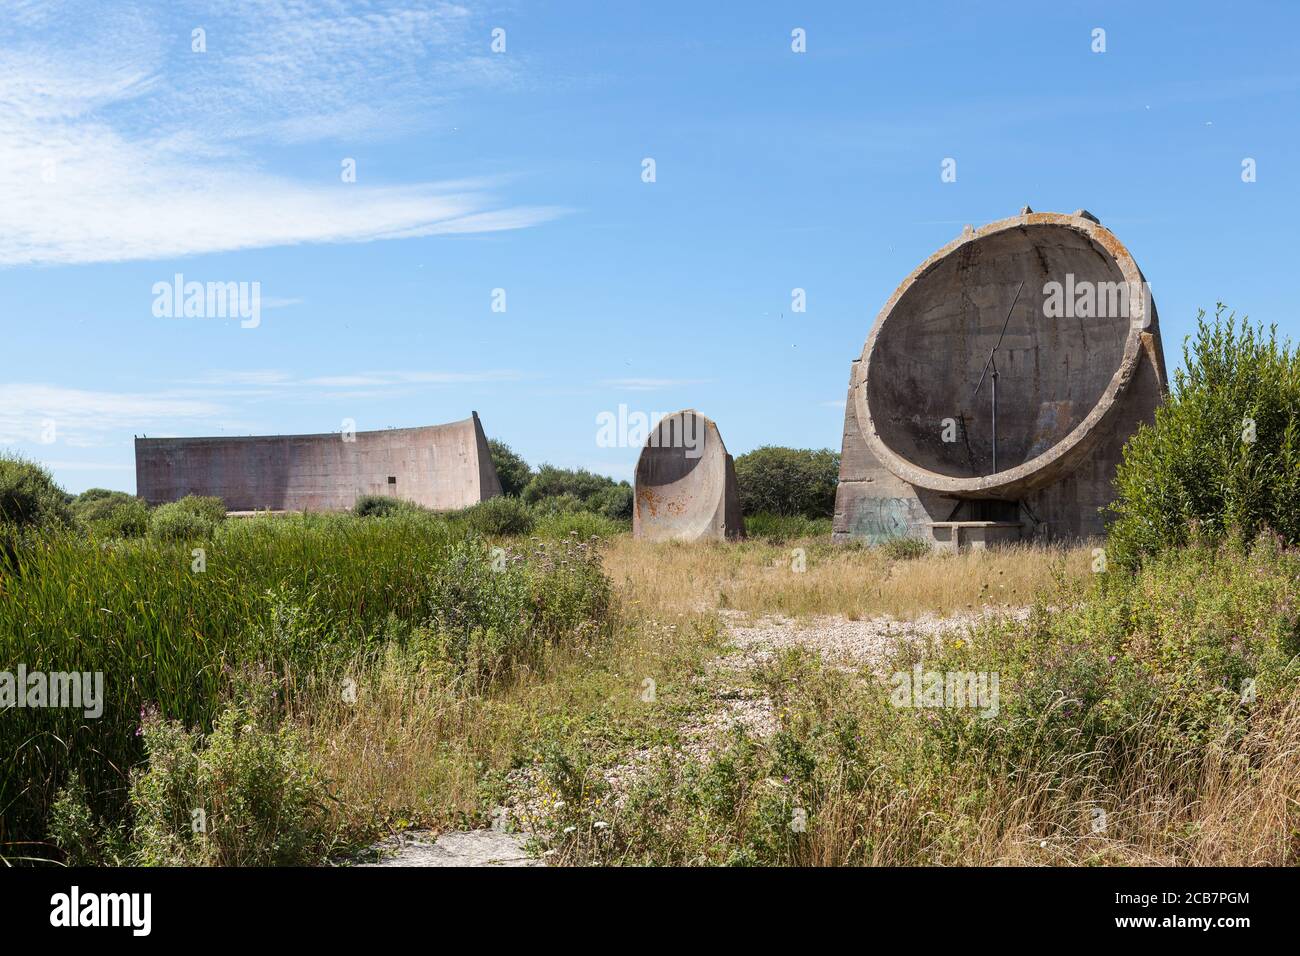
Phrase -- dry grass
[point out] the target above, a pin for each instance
(1232, 805)
(414, 749)
(758, 577)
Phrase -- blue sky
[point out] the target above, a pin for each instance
(126, 157)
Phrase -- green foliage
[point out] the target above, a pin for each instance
(779, 528)
(614, 502)
(788, 481)
(564, 491)
(552, 482)
(498, 516)
(583, 524)
(491, 612)
(512, 470)
(192, 518)
(1202, 470)
(29, 498)
(111, 514)
(245, 795)
(305, 596)
(95, 497)
(379, 506)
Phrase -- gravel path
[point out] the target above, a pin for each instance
(460, 848)
(870, 642)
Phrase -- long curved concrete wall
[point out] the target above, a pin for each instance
(918, 452)
(686, 483)
(443, 467)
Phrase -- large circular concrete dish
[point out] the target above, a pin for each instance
(1061, 375)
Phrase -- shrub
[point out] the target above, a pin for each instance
(379, 506)
(512, 470)
(581, 524)
(498, 516)
(111, 514)
(175, 522)
(127, 519)
(551, 482)
(788, 481)
(565, 504)
(489, 614)
(29, 498)
(96, 496)
(246, 795)
(1223, 457)
(613, 502)
(207, 507)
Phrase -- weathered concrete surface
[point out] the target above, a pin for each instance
(439, 466)
(686, 483)
(1071, 388)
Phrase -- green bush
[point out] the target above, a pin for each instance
(492, 611)
(172, 522)
(245, 795)
(584, 525)
(613, 502)
(1223, 457)
(127, 519)
(111, 514)
(379, 506)
(208, 507)
(551, 482)
(565, 504)
(100, 499)
(497, 516)
(788, 481)
(29, 498)
(512, 470)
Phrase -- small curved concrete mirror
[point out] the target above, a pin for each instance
(998, 386)
(686, 483)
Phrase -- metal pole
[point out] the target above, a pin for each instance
(995, 418)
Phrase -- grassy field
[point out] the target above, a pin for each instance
(322, 682)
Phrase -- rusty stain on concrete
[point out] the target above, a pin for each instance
(1071, 390)
(686, 483)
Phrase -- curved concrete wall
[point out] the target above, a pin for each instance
(686, 483)
(918, 435)
(439, 466)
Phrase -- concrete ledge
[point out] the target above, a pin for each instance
(974, 535)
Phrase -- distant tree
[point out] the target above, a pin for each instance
(29, 498)
(551, 482)
(514, 472)
(788, 481)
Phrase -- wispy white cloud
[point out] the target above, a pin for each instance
(130, 146)
(650, 384)
(84, 417)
